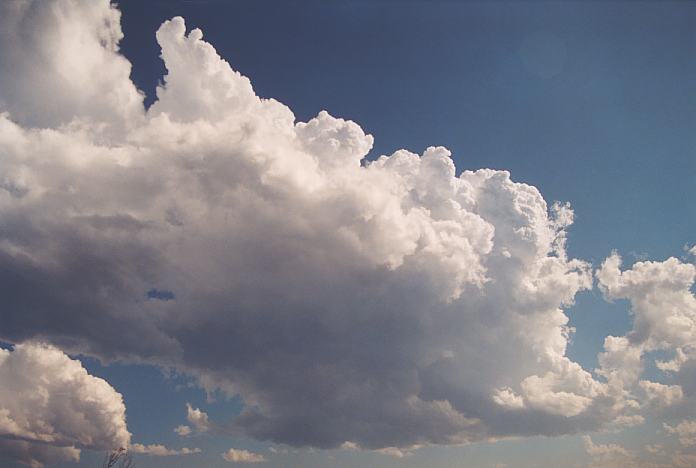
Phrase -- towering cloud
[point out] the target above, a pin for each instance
(384, 303)
(61, 63)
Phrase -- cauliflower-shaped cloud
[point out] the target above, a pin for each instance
(50, 407)
(390, 302)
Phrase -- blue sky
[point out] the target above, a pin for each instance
(592, 103)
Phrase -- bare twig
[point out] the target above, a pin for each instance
(119, 459)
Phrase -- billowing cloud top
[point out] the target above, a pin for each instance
(384, 303)
(50, 407)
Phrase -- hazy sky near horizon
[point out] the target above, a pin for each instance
(348, 233)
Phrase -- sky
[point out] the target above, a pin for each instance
(348, 233)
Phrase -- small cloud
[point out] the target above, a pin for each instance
(278, 450)
(243, 456)
(654, 449)
(606, 455)
(639, 256)
(390, 451)
(199, 419)
(394, 452)
(159, 450)
(182, 430)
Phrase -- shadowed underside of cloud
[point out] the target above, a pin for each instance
(385, 303)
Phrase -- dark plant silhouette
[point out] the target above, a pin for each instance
(118, 459)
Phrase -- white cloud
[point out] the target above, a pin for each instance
(506, 397)
(664, 307)
(75, 70)
(243, 456)
(162, 451)
(182, 430)
(394, 452)
(198, 419)
(620, 363)
(673, 365)
(415, 304)
(661, 395)
(568, 392)
(608, 455)
(685, 430)
(50, 407)
(664, 320)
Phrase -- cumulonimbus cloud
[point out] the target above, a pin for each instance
(384, 303)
